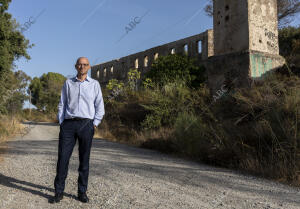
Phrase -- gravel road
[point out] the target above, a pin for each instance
(128, 177)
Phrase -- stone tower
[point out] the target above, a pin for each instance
(245, 40)
(241, 25)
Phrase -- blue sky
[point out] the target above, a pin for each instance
(65, 30)
(69, 29)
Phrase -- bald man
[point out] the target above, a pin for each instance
(80, 111)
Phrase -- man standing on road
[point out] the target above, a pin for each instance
(80, 111)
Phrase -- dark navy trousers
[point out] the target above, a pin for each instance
(70, 131)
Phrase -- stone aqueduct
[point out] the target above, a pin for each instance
(198, 46)
(243, 45)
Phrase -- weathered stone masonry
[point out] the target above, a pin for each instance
(245, 41)
(243, 45)
(199, 46)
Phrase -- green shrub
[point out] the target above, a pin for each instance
(171, 68)
(166, 102)
(289, 45)
(133, 77)
(253, 129)
(250, 129)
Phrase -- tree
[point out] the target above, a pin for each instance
(15, 86)
(287, 9)
(17, 83)
(13, 46)
(36, 92)
(45, 91)
(173, 67)
(289, 45)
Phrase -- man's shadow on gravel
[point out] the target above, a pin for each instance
(15, 183)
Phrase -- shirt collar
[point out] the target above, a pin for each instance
(86, 79)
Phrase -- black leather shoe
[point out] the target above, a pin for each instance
(58, 197)
(82, 197)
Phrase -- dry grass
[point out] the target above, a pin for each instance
(9, 126)
(117, 132)
(103, 132)
(38, 116)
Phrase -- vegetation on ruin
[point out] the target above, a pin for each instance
(176, 67)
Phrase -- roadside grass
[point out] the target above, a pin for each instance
(38, 116)
(9, 126)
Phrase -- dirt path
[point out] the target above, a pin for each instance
(127, 177)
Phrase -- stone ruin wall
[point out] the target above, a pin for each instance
(199, 46)
(263, 26)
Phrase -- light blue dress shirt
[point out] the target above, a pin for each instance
(81, 100)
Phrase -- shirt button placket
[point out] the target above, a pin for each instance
(79, 95)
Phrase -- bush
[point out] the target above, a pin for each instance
(289, 45)
(253, 129)
(171, 68)
(165, 103)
